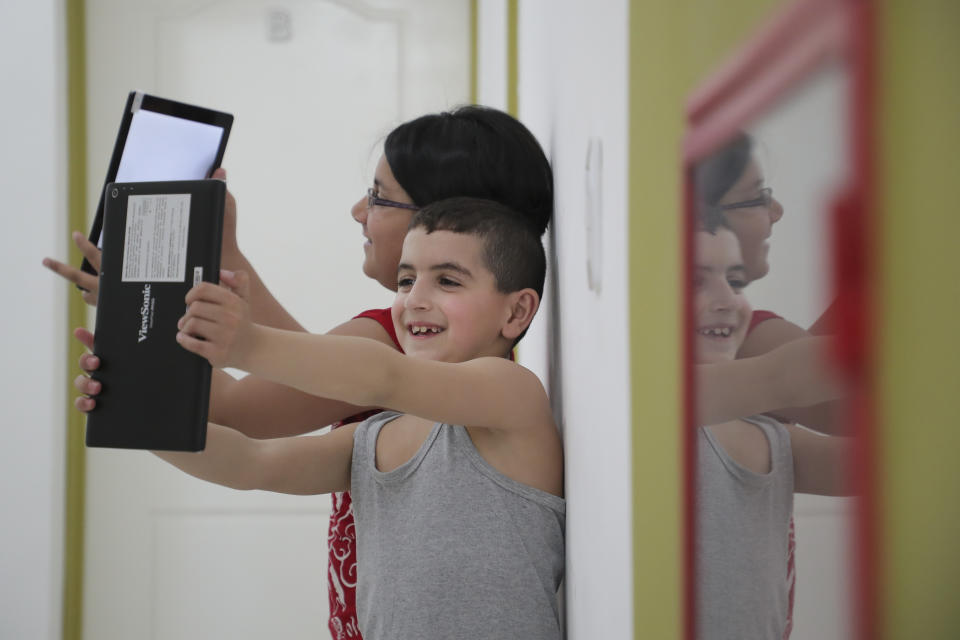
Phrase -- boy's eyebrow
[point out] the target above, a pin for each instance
(443, 266)
(451, 266)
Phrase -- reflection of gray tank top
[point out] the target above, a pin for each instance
(449, 547)
(743, 520)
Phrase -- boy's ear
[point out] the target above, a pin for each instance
(523, 306)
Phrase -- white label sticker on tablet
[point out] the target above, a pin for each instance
(155, 247)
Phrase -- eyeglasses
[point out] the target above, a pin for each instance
(374, 199)
(766, 197)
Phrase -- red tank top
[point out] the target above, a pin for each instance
(342, 539)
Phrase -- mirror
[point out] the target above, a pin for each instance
(772, 438)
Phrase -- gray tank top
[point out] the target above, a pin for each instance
(743, 521)
(449, 547)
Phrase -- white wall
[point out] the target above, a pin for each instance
(32, 172)
(573, 90)
(492, 53)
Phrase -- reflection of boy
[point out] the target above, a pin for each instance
(460, 528)
(748, 468)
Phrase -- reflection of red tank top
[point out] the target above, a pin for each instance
(342, 538)
(755, 319)
(761, 316)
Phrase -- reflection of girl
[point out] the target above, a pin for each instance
(749, 467)
(470, 151)
(730, 184)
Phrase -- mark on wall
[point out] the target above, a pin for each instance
(279, 25)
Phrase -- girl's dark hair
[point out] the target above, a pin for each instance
(714, 176)
(477, 152)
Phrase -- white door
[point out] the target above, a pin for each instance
(314, 86)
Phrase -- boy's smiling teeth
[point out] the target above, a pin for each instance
(419, 329)
(716, 331)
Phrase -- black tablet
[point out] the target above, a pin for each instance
(159, 240)
(161, 139)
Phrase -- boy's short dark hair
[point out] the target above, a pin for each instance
(512, 250)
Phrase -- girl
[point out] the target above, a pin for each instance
(730, 185)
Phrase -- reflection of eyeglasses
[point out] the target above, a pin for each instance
(374, 199)
(766, 197)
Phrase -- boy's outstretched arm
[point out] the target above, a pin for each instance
(795, 374)
(486, 392)
(303, 466)
(259, 408)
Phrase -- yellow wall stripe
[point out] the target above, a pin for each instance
(672, 48)
(76, 316)
(918, 370)
(653, 228)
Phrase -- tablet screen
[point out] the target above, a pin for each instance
(162, 147)
(161, 140)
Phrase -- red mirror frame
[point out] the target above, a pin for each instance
(795, 43)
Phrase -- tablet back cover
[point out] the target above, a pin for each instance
(159, 239)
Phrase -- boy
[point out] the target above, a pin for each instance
(460, 528)
(748, 468)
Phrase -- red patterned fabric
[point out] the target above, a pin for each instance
(342, 537)
(755, 319)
